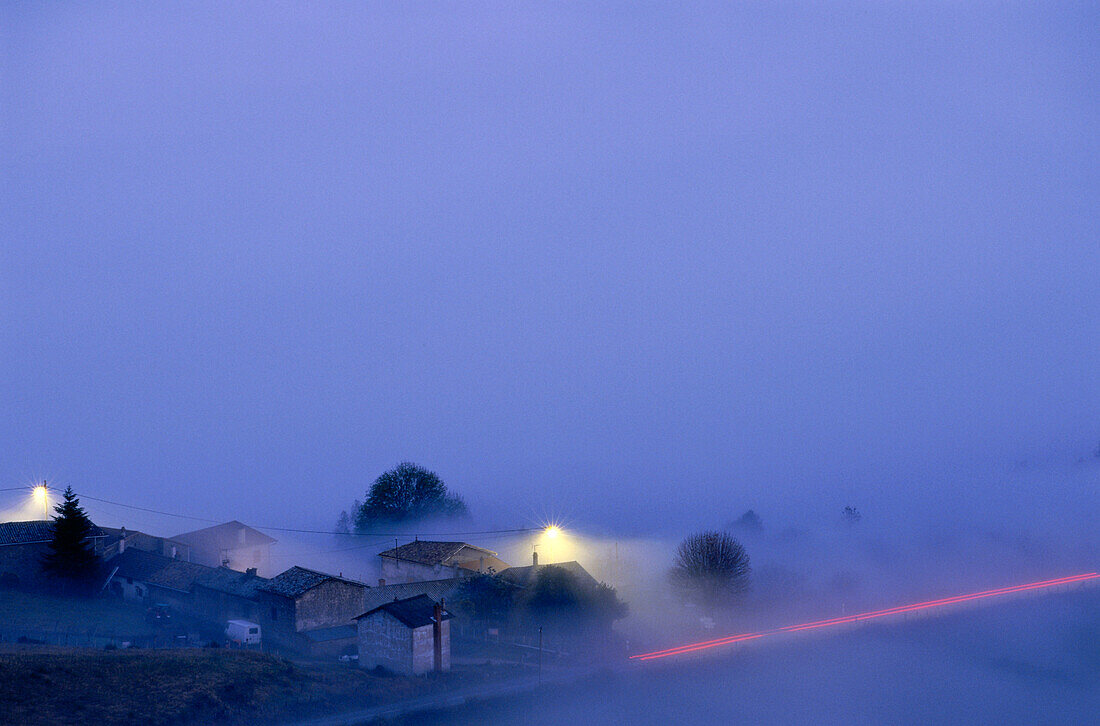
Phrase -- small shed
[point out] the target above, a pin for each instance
(410, 636)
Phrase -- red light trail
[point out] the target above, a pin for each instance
(730, 639)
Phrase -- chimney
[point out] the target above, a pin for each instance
(122, 540)
(437, 637)
(535, 558)
(250, 571)
(381, 582)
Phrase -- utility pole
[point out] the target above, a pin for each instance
(45, 500)
(540, 655)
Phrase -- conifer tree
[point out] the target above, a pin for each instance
(71, 557)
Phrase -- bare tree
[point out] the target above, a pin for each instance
(711, 566)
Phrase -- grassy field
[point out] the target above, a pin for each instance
(42, 685)
(51, 685)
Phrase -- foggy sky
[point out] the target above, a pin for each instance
(616, 263)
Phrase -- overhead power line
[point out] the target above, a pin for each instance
(296, 530)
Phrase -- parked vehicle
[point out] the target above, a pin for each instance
(242, 634)
(158, 614)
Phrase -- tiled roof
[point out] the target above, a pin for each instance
(414, 612)
(176, 574)
(425, 552)
(37, 530)
(525, 576)
(437, 590)
(139, 565)
(223, 579)
(297, 580)
(114, 534)
(184, 576)
(225, 536)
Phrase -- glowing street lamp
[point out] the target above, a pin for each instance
(42, 494)
(552, 532)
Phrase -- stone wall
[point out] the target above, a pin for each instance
(385, 641)
(276, 616)
(221, 606)
(21, 565)
(329, 604)
(423, 656)
(402, 571)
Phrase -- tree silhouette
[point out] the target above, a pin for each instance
(559, 598)
(486, 598)
(343, 524)
(749, 522)
(407, 493)
(711, 567)
(71, 558)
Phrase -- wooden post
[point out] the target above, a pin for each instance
(437, 637)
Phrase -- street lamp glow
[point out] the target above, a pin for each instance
(42, 496)
(552, 531)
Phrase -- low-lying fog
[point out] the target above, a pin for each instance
(1033, 661)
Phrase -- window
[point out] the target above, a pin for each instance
(253, 631)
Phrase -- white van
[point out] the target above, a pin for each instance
(242, 634)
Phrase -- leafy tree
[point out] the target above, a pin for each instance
(605, 605)
(555, 592)
(486, 598)
(407, 493)
(558, 597)
(711, 567)
(71, 558)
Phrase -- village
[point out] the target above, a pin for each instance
(436, 603)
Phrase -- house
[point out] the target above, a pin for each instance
(305, 602)
(210, 594)
(22, 547)
(526, 576)
(118, 540)
(426, 560)
(133, 575)
(300, 610)
(410, 636)
(232, 544)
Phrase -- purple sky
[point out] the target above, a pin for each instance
(612, 262)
